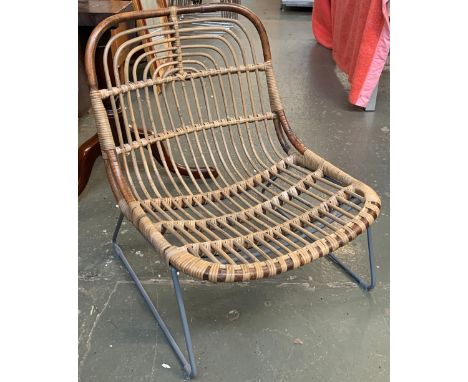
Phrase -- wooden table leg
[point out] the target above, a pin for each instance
(87, 155)
(203, 173)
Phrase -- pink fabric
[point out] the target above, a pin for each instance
(358, 32)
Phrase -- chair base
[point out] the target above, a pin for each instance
(190, 366)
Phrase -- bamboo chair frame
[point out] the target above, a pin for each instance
(249, 200)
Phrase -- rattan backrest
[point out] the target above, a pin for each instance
(200, 91)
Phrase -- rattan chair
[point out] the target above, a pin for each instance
(203, 160)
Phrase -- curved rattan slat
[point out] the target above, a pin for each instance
(200, 94)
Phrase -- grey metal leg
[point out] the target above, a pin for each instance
(189, 366)
(358, 280)
(373, 100)
(183, 317)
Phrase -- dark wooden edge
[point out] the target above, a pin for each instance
(293, 138)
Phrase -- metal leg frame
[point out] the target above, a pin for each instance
(189, 366)
(358, 280)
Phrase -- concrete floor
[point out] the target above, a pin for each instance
(345, 332)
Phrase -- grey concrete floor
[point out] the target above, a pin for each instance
(345, 332)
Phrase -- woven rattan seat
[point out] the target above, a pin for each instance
(203, 161)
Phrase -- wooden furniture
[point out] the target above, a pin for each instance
(266, 203)
(90, 13)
